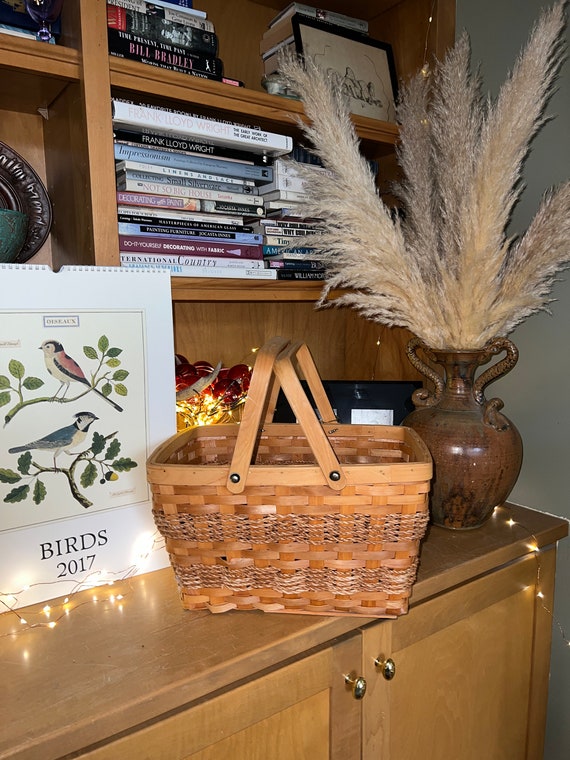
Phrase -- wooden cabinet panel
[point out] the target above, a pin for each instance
(465, 684)
(303, 711)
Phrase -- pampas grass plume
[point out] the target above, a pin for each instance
(444, 268)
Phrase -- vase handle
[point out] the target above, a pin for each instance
(494, 347)
(423, 396)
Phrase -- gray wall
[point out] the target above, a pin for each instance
(536, 391)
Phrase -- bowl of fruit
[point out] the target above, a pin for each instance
(208, 394)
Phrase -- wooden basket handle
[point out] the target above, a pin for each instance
(274, 370)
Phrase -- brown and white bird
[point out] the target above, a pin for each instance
(65, 369)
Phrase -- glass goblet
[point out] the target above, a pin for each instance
(44, 13)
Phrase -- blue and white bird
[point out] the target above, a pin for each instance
(65, 369)
(63, 439)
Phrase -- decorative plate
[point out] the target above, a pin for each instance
(21, 189)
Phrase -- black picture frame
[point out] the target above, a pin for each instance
(362, 66)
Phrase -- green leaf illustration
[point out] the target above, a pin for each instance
(4, 382)
(25, 462)
(17, 494)
(113, 449)
(98, 443)
(112, 363)
(39, 492)
(123, 465)
(120, 374)
(107, 389)
(121, 390)
(9, 476)
(88, 475)
(103, 343)
(4, 399)
(32, 383)
(114, 352)
(90, 353)
(16, 369)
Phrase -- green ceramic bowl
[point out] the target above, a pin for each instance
(13, 231)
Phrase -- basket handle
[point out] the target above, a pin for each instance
(261, 396)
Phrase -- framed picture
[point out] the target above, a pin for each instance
(361, 66)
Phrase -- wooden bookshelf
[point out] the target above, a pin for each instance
(55, 111)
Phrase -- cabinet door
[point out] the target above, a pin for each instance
(303, 711)
(471, 672)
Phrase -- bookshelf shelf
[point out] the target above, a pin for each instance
(34, 74)
(205, 289)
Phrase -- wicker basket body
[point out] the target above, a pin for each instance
(305, 517)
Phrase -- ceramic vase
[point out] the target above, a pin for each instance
(476, 449)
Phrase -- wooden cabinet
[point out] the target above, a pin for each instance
(55, 111)
(147, 680)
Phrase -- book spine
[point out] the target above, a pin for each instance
(167, 67)
(288, 233)
(194, 235)
(169, 14)
(139, 244)
(260, 174)
(162, 179)
(196, 262)
(177, 142)
(172, 172)
(282, 242)
(164, 7)
(164, 55)
(285, 195)
(298, 274)
(328, 17)
(307, 264)
(157, 188)
(235, 273)
(161, 30)
(186, 204)
(289, 182)
(222, 133)
(182, 223)
(188, 217)
(277, 250)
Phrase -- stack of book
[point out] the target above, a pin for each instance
(167, 34)
(186, 186)
(279, 35)
(284, 247)
(15, 21)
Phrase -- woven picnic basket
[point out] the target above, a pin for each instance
(311, 517)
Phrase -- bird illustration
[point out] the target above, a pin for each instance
(65, 369)
(63, 439)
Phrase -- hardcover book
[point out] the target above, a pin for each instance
(180, 233)
(259, 174)
(176, 191)
(181, 182)
(171, 171)
(202, 263)
(184, 145)
(178, 15)
(182, 7)
(157, 244)
(168, 216)
(161, 30)
(130, 115)
(235, 273)
(166, 56)
(187, 204)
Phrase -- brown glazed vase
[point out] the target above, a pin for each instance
(476, 450)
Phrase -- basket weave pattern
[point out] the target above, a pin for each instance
(286, 541)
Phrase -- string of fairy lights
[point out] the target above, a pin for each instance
(98, 587)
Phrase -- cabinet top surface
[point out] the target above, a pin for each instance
(81, 682)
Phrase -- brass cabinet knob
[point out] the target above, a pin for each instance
(357, 685)
(386, 666)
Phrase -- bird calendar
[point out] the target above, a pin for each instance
(87, 391)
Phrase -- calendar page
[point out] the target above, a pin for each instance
(87, 391)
